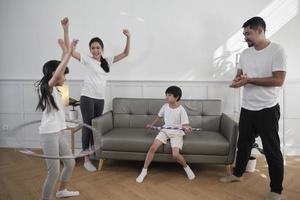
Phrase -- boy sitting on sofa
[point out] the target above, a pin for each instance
(175, 117)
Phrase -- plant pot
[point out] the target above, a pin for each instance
(251, 165)
(73, 115)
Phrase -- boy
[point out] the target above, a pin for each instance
(174, 116)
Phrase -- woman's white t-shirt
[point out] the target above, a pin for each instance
(54, 120)
(94, 84)
(173, 117)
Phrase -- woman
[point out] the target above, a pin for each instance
(94, 86)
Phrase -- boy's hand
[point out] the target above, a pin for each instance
(126, 33)
(65, 23)
(187, 129)
(149, 126)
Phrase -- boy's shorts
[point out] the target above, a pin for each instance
(176, 139)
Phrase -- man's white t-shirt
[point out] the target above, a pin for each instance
(173, 117)
(258, 64)
(54, 120)
(94, 84)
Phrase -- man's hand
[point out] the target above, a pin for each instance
(239, 81)
(237, 78)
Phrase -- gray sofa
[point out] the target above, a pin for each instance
(121, 133)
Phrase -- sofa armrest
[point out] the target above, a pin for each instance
(229, 129)
(101, 125)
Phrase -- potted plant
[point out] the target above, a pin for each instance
(73, 114)
(251, 165)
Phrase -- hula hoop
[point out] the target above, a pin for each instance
(173, 128)
(29, 152)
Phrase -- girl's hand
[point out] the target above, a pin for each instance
(126, 33)
(62, 45)
(65, 23)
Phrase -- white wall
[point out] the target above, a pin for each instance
(171, 39)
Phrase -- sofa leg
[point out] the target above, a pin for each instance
(228, 169)
(101, 162)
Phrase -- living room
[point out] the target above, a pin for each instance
(144, 49)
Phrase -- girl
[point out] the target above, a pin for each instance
(53, 123)
(94, 86)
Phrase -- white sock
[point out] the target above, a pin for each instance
(66, 193)
(142, 175)
(89, 166)
(190, 174)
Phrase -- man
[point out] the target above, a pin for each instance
(261, 72)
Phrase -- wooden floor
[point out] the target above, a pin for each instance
(21, 178)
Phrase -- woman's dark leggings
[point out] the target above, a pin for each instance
(90, 108)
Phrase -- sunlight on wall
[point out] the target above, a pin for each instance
(276, 14)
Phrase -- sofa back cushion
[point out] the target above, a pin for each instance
(138, 112)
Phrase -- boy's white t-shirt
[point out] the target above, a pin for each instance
(94, 84)
(54, 120)
(258, 64)
(173, 117)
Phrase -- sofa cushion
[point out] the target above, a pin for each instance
(204, 143)
(129, 140)
(207, 123)
(133, 121)
(137, 106)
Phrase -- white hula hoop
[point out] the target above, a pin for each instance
(173, 128)
(29, 152)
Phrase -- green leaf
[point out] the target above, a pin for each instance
(73, 102)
